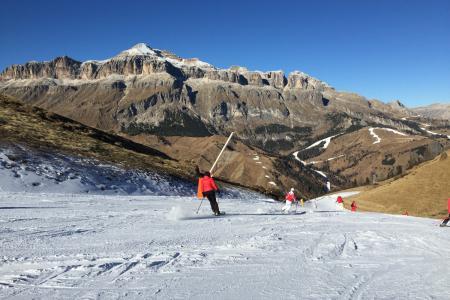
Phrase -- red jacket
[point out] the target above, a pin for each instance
(208, 184)
(339, 199)
(290, 197)
(354, 207)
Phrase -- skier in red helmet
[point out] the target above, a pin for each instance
(290, 197)
(340, 202)
(354, 206)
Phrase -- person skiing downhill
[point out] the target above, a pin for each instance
(209, 189)
(290, 197)
(340, 202)
(444, 223)
(354, 206)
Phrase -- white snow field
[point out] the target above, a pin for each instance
(62, 246)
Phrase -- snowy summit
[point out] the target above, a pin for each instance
(139, 49)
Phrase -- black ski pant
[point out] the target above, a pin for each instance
(446, 220)
(211, 195)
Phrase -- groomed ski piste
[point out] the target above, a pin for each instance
(68, 246)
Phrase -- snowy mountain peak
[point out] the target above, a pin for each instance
(143, 49)
(139, 49)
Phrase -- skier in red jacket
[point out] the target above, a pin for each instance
(340, 202)
(444, 223)
(354, 206)
(209, 189)
(290, 197)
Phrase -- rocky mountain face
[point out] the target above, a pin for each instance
(149, 92)
(145, 90)
(434, 111)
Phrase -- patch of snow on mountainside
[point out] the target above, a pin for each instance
(295, 154)
(37, 172)
(193, 62)
(434, 133)
(328, 159)
(98, 62)
(394, 131)
(145, 50)
(372, 133)
(57, 246)
(326, 140)
(321, 173)
(377, 138)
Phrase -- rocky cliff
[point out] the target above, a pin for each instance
(145, 91)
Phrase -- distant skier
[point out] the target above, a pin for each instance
(354, 206)
(209, 189)
(340, 202)
(444, 223)
(290, 197)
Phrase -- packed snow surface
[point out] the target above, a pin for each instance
(142, 247)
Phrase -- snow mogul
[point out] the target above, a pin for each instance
(290, 197)
(209, 189)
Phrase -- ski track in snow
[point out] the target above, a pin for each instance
(377, 138)
(372, 133)
(295, 154)
(433, 133)
(326, 140)
(320, 173)
(126, 247)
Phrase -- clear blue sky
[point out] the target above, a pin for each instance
(385, 49)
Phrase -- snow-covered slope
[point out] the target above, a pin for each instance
(57, 173)
(22, 169)
(104, 247)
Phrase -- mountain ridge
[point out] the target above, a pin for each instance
(145, 92)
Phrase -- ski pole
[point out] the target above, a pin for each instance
(198, 209)
(223, 149)
(220, 154)
(214, 164)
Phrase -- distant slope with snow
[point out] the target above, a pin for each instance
(422, 191)
(368, 154)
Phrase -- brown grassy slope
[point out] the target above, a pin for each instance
(356, 158)
(41, 130)
(240, 164)
(422, 192)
